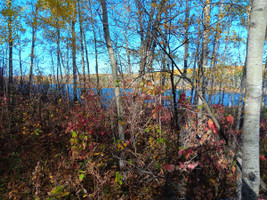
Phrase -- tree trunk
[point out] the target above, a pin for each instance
(9, 106)
(81, 38)
(96, 52)
(10, 47)
(214, 58)
(176, 124)
(147, 41)
(53, 66)
(96, 63)
(194, 79)
(74, 60)
(20, 62)
(250, 132)
(114, 75)
(34, 29)
(128, 55)
(87, 58)
(147, 47)
(264, 84)
(186, 45)
(58, 54)
(205, 51)
(240, 100)
(32, 54)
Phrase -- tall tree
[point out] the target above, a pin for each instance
(10, 42)
(33, 23)
(186, 26)
(250, 133)
(96, 51)
(205, 49)
(87, 57)
(114, 75)
(148, 43)
(81, 38)
(74, 66)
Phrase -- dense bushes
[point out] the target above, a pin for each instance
(62, 150)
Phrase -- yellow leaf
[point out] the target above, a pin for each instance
(212, 180)
(121, 122)
(233, 168)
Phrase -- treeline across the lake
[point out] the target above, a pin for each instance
(145, 99)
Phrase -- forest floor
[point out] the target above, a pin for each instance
(52, 148)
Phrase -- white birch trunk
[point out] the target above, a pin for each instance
(250, 133)
(114, 75)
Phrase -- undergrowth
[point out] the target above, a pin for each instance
(58, 149)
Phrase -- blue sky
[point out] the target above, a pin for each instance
(43, 64)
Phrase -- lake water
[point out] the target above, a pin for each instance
(229, 99)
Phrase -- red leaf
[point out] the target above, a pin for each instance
(169, 168)
(192, 166)
(181, 165)
(210, 123)
(181, 152)
(230, 119)
(212, 126)
(262, 158)
(189, 151)
(218, 149)
(155, 115)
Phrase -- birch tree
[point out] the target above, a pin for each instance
(10, 43)
(205, 49)
(34, 24)
(114, 74)
(250, 133)
(81, 38)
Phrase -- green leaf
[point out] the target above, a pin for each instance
(161, 140)
(200, 107)
(81, 177)
(118, 178)
(74, 134)
(157, 165)
(38, 130)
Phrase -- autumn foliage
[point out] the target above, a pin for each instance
(60, 149)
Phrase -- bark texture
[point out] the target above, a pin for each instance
(250, 133)
(114, 75)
